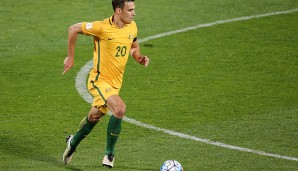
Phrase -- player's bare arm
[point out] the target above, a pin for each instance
(73, 32)
(136, 54)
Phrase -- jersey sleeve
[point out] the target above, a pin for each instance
(136, 32)
(92, 28)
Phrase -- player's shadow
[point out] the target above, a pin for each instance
(136, 168)
(22, 147)
(30, 150)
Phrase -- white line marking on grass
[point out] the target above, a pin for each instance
(82, 88)
(219, 144)
(217, 23)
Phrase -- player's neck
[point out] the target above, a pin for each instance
(117, 22)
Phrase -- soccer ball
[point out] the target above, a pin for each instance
(171, 165)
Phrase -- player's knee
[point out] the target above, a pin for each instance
(94, 116)
(93, 119)
(119, 111)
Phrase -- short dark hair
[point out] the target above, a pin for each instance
(119, 3)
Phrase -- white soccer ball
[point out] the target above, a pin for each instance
(171, 165)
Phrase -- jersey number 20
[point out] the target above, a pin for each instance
(121, 51)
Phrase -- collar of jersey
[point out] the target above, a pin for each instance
(111, 19)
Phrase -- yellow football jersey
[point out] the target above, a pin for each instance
(111, 49)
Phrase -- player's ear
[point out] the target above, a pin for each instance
(118, 11)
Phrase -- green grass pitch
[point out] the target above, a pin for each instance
(234, 83)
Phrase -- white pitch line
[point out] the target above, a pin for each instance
(83, 91)
(207, 141)
(217, 23)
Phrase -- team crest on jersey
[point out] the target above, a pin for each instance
(130, 36)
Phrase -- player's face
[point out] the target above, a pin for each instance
(128, 12)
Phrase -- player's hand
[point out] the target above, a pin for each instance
(145, 61)
(68, 63)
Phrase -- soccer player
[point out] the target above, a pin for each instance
(114, 39)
